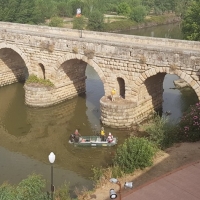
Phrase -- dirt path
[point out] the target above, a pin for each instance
(173, 158)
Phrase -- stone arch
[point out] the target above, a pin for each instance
(91, 62)
(121, 85)
(18, 50)
(153, 71)
(42, 71)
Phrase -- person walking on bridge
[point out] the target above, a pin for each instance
(113, 93)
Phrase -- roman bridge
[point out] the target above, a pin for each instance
(134, 65)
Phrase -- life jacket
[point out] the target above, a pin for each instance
(113, 92)
(102, 133)
(110, 138)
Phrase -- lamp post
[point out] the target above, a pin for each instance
(52, 158)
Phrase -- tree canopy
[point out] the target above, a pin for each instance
(37, 11)
(191, 22)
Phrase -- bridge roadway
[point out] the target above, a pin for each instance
(181, 184)
(103, 37)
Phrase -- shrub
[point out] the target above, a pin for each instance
(63, 192)
(138, 13)
(35, 79)
(78, 23)
(134, 153)
(30, 188)
(189, 125)
(56, 22)
(161, 132)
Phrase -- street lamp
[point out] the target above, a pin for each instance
(113, 194)
(52, 158)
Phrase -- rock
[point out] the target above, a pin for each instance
(180, 83)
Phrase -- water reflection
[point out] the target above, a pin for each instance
(28, 135)
(172, 31)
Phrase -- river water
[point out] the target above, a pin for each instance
(28, 135)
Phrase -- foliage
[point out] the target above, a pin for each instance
(96, 21)
(35, 79)
(138, 14)
(31, 188)
(78, 23)
(7, 192)
(20, 11)
(97, 174)
(161, 132)
(102, 175)
(134, 153)
(123, 9)
(56, 22)
(63, 192)
(189, 126)
(191, 22)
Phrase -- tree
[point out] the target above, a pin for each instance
(191, 22)
(56, 22)
(96, 21)
(138, 14)
(123, 9)
(78, 23)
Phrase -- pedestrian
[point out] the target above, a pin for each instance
(113, 93)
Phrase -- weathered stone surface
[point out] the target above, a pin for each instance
(60, 55)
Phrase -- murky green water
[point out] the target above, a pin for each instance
(28, 135)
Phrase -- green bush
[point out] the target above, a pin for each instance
(63, 192)
(161, 132)
(189, 125)
(134, 153)
(56, 22)
(31, 188)
(35, 79)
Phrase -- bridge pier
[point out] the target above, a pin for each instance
(123, 113)
(42, 96)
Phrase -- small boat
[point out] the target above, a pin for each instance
(93, 141)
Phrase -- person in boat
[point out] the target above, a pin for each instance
(76, 136)
(110, 138)
(72, 137)
(102, 134)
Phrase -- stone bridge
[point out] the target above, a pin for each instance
(134, 65)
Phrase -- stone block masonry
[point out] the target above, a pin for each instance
(134, 65)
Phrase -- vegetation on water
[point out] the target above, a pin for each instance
(34, 79)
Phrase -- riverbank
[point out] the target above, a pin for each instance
(121, 24)
(166, 161)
